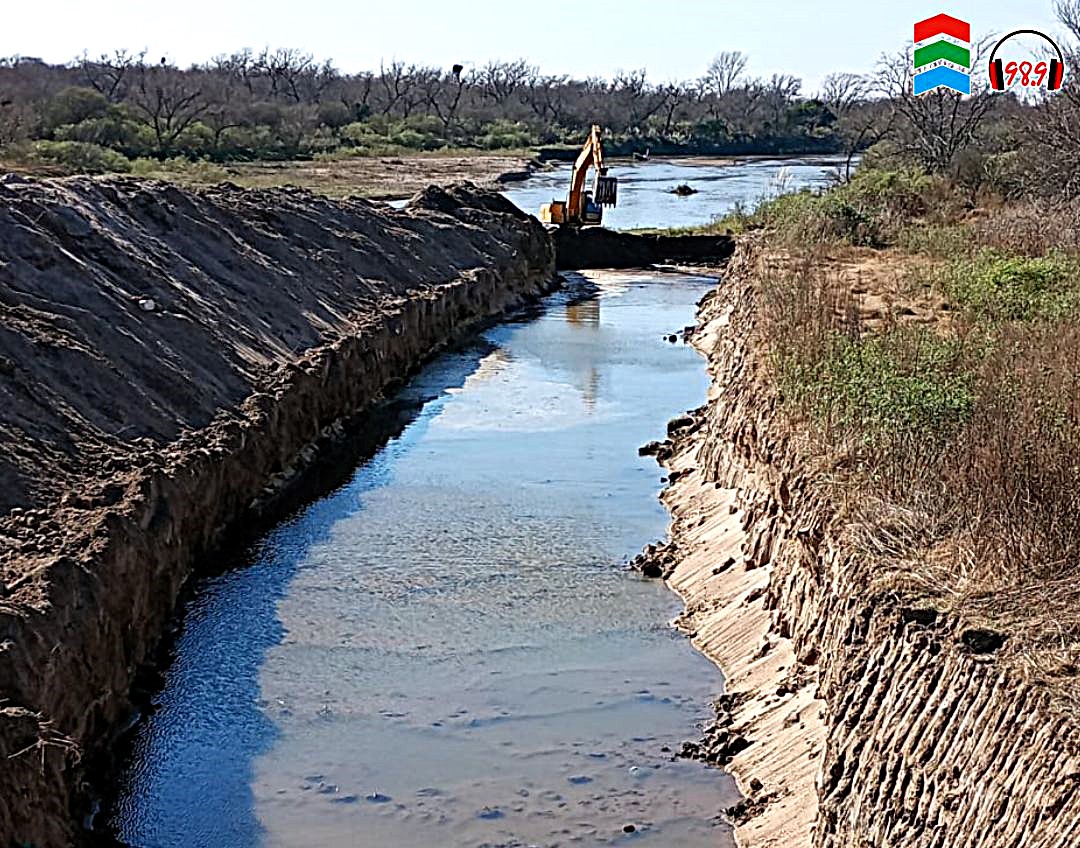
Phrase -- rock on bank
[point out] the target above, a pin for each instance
(167, 359)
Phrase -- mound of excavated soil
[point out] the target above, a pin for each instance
(133, 310)
(164, 356)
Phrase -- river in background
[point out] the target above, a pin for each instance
(645, 198)
(448, 649)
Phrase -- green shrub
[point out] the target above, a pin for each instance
(807, 217)
(109, 131)
(504, 135)
(871, 210)
(1000, 287)
(196, 171)
(907, 192)
(414, 139)
(419, 133)
(900, 383)
(79, 157)
(946, 241)
(334, 114)
(74, 105)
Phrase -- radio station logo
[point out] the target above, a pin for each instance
(1007, 72)
(942, 57)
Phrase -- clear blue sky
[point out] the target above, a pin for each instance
(673, 39)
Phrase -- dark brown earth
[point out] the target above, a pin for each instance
(596, 247)
(167, 360)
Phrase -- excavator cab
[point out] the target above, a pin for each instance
(591, 213)
(583, 207)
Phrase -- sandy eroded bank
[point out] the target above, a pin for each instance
(853, 716)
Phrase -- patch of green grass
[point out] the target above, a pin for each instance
(903, 382)
(998, 287)
(942, 241)
(179, 169)
(808, 218)
(734, 222)
(73, 157)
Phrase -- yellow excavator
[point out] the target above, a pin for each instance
(583, 207)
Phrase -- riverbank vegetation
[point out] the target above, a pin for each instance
(924, 328)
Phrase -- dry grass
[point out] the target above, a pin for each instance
(953, 444)
(1029, 228)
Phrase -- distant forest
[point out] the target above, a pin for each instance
(284, 104)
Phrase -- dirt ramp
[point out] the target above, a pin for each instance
(167, 361)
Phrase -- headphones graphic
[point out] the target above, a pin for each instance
(1054, 77)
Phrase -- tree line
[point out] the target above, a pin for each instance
(283, 103)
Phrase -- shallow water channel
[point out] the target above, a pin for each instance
(449, 650)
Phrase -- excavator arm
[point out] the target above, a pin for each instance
(591, 155)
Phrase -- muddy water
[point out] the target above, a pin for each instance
(448, 650)
(645, 198)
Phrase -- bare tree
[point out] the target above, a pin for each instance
(16, 120)
(400, 88)
(676, 94)
(444, 93)
(355, 92)
(168, 101)
(859, 122)
(1068, 13)
(1049, 164)
(546, 97)
(841, 91)
(499, 82)
(932, 127)
(637, 100)
(110, 75)
(224, 109)
(725, 72)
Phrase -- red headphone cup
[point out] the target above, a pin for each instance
(1055, 73)
(1055, 76)
(997, 77)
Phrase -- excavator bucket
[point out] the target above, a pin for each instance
(607, 191)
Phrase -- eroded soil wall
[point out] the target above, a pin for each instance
(167, 361)
(864, 718)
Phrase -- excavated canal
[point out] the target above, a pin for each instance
(449, 649)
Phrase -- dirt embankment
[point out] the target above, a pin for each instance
(853, 717)
(597, 247)
(167, 361)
